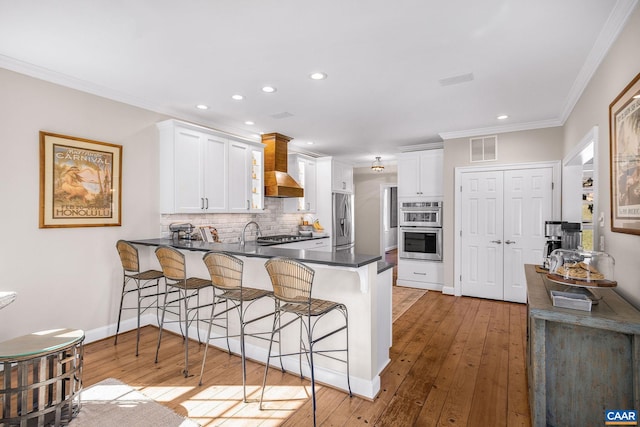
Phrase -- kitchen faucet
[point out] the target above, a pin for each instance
(244, 230)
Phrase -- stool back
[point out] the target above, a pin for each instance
(291, 280)
(172, 263)
(225, 270)
(128, 256)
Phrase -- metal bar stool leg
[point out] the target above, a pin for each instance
(276, 320)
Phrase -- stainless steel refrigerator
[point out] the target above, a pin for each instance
(343, 227)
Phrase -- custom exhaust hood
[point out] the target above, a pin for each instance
(277, 182)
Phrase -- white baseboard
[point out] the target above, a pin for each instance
(448, 290)
(420, 285)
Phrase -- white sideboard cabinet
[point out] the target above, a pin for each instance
(204, 171)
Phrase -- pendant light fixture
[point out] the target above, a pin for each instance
(377, 165)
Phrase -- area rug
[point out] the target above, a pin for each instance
(113, 403)
(403, 299)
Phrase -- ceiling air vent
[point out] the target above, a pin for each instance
(484, 149)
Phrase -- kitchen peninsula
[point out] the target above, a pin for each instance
(352, 279)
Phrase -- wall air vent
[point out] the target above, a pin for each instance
(484, 149)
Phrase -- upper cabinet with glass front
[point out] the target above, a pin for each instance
(303, 169)
(204, 171)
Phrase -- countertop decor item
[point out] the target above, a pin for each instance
(624, 126)
(80, 182)
(575, 267)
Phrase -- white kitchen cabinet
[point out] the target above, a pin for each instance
(342, 177)
(204, 171)
(420, 174)
(420, 274)
(303, 169)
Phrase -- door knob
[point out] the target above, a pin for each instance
(496, 241)
(509, 242)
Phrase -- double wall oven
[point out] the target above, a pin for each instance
(420, 230)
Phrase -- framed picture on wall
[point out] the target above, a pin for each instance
(624, 127)
(80, 182)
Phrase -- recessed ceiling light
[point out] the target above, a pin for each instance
(309, 142)
(502, 117)
(318, 76)
(202, 107)
(249, 122)
(269, 89)
(237, 97)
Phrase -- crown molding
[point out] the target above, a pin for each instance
(517, 127)
(608, 35)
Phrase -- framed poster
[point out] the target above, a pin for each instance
(80, 182)
(624, 126)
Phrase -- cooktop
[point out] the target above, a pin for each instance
(281, 238)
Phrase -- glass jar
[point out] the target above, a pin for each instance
(581, 266)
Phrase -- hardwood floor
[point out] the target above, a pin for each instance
(455, 361)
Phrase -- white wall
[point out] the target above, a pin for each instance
(367, 207)
(618, 68)
(67, 277)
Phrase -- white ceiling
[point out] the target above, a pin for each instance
(385, 61)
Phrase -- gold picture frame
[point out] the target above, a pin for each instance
(624, 127)
(80, 182)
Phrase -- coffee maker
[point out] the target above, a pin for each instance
(571, 235)
(553, 234)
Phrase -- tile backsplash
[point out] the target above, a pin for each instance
(272, 220)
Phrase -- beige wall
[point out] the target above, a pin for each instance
(514, 147)
(71, 277)
(367, 207)
(618, 68)
(67, 277)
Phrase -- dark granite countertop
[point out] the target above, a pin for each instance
(384, 266)
(250, 249)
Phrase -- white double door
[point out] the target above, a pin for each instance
(502, 228)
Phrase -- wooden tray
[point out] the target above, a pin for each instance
(582, 283)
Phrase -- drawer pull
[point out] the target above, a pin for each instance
(421, 274)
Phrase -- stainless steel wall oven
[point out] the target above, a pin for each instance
(420, 235)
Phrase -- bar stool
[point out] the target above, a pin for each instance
(292, 283)
(144, 283)
(226, 276)
(173, 266)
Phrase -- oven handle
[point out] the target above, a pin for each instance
(419, 228)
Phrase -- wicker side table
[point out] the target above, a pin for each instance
(42, 378)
